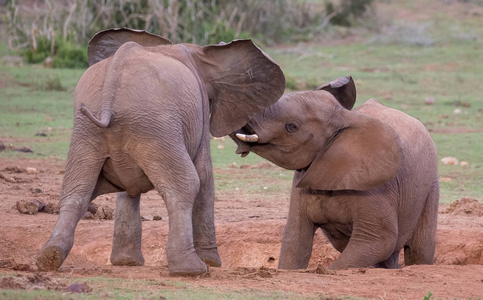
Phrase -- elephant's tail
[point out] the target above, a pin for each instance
(106, 116)
(110, 87)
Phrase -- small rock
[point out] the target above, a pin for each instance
(146, 218)
(104, 212)
(41, 205)
(220, 146)
(7, 179)
(36, 190)
(28, 207)
(32, 171)
(429, 101)
(458, 111)
(449, 160)
(445, 179)
(48, 62)
(51, 208)
(15, 169)
(92, 208)
(232, 165)
(463, 163)
(24, 149)
(323, 270)
(79, 288)
(7, 263)
(22, 267)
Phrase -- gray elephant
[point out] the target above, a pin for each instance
(367, 177)
(157, 105)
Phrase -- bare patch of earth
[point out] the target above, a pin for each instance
(249, 230)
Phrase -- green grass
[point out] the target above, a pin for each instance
(118, 288)
(33, 115)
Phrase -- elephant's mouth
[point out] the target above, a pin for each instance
(244, 138)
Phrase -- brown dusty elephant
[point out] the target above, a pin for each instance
(157, 105)
(367, 177)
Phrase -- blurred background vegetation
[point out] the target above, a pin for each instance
(61, 29)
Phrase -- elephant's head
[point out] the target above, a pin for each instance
(238, 77)
(317, 133)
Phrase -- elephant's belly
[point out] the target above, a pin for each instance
(126, 177)
(338, 234)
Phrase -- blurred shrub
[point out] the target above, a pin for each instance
(414, 34)
(68, 55)
(63, 54)
(347, 12)
(49, 83)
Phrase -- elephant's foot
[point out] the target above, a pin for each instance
(51, 258)
(127, 258)
(185, 265)
(209, 256)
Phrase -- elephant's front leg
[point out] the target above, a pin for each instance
(298, 236)
(203, 213)
(126, 245)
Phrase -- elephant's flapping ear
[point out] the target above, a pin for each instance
(363, 155)
(343, 89)
(105, 43)
(241, 80)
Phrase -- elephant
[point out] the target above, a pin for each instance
(143, 114)
(366, 176)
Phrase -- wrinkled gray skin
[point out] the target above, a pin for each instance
(157, 107)
(367, 177)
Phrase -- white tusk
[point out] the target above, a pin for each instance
(249, 138)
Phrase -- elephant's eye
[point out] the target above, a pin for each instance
(291, 127)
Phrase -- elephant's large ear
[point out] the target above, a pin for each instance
(343, 89)
(105, 43)
(241, 80)
(364, 155)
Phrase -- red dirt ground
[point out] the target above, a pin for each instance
(249, 232)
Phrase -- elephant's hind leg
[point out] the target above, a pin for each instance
(390, 263)
(177, 182)
(420, 249)
(126, 245)
(83, 167)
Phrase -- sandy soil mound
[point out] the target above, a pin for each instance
(465, 206)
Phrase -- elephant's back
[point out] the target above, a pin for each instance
(416, 143)
(152, 80)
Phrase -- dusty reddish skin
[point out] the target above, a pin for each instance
(249, 231)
